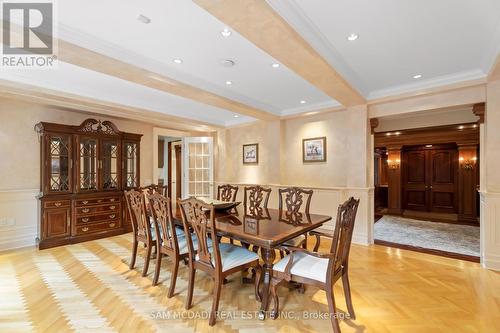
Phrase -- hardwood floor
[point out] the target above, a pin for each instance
(88, 287)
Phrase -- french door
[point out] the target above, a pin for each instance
(430, 179)
(197, 167)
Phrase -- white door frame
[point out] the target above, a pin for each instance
(157, 132)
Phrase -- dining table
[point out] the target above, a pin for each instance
(266, 228)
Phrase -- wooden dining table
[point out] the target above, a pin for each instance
(267, 229)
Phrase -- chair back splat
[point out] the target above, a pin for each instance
(161, 209)
(227, 192)
(137, 211)
(342, 236)
(200, 217)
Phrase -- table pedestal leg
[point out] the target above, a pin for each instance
(268, 255)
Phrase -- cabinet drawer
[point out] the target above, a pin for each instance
(96, 227)
(98, 209)
(97, 218)
(56, 203)
(96, 201)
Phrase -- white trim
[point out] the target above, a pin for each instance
(436, 82)
(311, 107)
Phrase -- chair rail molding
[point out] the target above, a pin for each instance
(18, 218)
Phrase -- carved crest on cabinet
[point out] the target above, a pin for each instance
(98, 127)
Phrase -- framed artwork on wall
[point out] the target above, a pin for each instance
(251, 153)
(314, 149)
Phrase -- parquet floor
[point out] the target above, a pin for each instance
(88, 288)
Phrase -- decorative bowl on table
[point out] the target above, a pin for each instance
(218, 204)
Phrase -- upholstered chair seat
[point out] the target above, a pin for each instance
(304, 265)
(233, 256)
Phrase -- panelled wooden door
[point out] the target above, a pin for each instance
(430, 179)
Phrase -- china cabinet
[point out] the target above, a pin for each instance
(84, 170)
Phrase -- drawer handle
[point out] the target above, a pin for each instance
(86, 210)
(57, 204)
(112, 216)
(85, 219)
(85, 229)
(111, 225)
(85, 202)
(112, 199)
(112, 207)
(100, 200)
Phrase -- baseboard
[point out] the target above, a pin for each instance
(491, 261)
(361, 240)
(18, 242)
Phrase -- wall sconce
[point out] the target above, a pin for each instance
(467, 164)
(393, 164)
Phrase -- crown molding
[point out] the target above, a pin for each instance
(431, 86)
(311, 108)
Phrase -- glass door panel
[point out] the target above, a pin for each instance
(130, 168)
(60, 159)
(88, 164)
(198, 170)
(110, 168)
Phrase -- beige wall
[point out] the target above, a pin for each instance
(20, 148)
(345, 173)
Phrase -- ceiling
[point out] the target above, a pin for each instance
(445, 41)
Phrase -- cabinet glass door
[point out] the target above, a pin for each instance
(88, 164)
(59, 150)
(131, 160)
(110, 168)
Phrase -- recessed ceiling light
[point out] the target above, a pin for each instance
(236, 116)
(229, 83)
(418, 76)
(352, 37)
(178, 60)
(275, 65)
(302, 102)
(225, 33)
(144, 19)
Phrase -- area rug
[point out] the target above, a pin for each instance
(461, 239)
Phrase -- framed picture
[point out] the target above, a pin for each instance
(251, 153)
(314, 149)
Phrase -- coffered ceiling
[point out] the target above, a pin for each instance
(107, 54)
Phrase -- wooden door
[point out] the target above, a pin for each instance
(56, 222)
(430, 179)
(415, 165)
(443, 180)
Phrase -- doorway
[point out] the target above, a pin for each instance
(426, 190)
(169, 171)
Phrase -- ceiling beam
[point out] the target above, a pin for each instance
(34, 94)
(261, 25)
(89, 59)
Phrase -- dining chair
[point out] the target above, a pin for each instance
(216, 259)
(255, 199)
(298, 202)
(141, 225)
(227, 192)
(170, 239)
(154, 188)
(321, 269)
